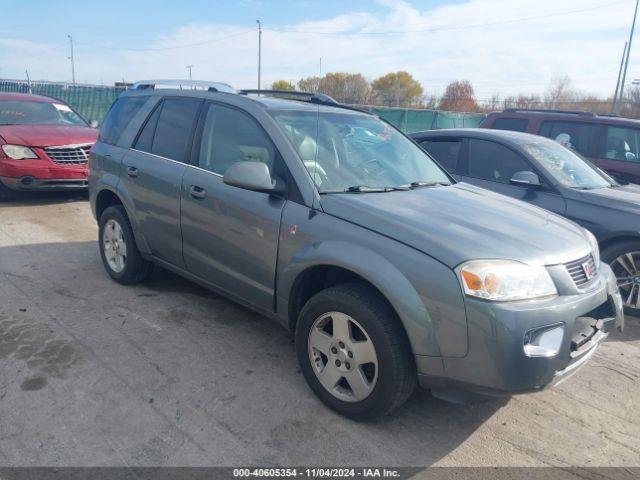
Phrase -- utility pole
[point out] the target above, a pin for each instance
(626, 63)
(615, 95)
(28, 81)
(73, 65)
(259, 51)
(320, 71)
(189, 67)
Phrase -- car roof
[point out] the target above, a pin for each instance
(27, 97)
(570, 116)
(265, 101)
(504, 136)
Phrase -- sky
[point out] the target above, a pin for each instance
(501, 46)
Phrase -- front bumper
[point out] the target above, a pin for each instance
(30, 183)
(496, 363)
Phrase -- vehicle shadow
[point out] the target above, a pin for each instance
(21, 199)
(232, 370)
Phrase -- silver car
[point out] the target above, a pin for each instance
(339, 227)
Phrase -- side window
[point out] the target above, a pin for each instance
(119, 116)
(513, 124)
(445, 152)
(145, 138)
(623, 144)
(582, 137)
(230, 136)
(492, 161)
(175, 125)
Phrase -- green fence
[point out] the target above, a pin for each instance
(416, 120)
(93, 101)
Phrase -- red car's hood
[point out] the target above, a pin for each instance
(47, 135)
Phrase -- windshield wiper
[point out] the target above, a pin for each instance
(421, 183)
(366, 189)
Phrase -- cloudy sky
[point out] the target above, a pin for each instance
(501, 46)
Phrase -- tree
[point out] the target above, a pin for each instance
(309, 84)
(397, 89)
(559, 92)
(282, 85)
(346, 87)
(459, 96)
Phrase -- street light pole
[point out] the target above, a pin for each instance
(259, 51)
(615, 95)
(189, 67)
(626, 63)
(73, 66)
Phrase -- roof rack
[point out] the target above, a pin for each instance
(544, 110)
(183, 85)
(310, 97)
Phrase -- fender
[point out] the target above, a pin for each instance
(368, 264)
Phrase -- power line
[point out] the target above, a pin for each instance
(452, 27)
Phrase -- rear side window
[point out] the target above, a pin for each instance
(623, 144)
(494, 162)
(168, 131)
(445, 152)
(120, 114)
(581, 137)
(513, 124)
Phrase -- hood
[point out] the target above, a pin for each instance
(463, 222)
(623, 197)
(47, 135)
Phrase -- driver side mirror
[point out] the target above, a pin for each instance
(525, 178)
(253, 176)
(93, 123)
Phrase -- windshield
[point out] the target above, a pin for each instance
(14, 112)
(566, 167)
(357, 153)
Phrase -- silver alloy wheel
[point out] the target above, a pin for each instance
(627, 270)
(114, 245)
(343, 357)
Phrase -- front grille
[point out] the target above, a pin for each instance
(578, 273)
(69, 154)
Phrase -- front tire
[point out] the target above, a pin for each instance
(354, 353)
(5, 192)
(120, 255)
(624, 260)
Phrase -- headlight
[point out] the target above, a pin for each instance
(505, 280)
(594, 248)
(18, 152)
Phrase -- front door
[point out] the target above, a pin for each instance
(230, 235)
(491, 165)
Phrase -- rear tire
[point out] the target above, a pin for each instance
(624, 260)
(364, 370)
(120, 255)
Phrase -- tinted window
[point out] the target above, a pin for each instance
(120, 114)
(582, 137)
(175, 125)
(145, 139)
(492, 161)
(623, 144)
(230, 136)
(446, 153)
(513, 124)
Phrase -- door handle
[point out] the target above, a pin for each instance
(132, 171)
(197, 192)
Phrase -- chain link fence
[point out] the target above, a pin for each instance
(93, 102)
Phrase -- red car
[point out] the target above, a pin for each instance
(44, 144)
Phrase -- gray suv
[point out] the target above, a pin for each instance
(339, 227)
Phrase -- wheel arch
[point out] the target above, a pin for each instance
(619, 238)
(333, 263)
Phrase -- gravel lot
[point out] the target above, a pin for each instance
(168, 373)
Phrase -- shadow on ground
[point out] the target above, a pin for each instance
(21, 199)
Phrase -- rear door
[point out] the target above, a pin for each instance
(152, 174)
(491, 165)
(230, 235)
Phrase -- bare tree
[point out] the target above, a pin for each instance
(559, 91)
